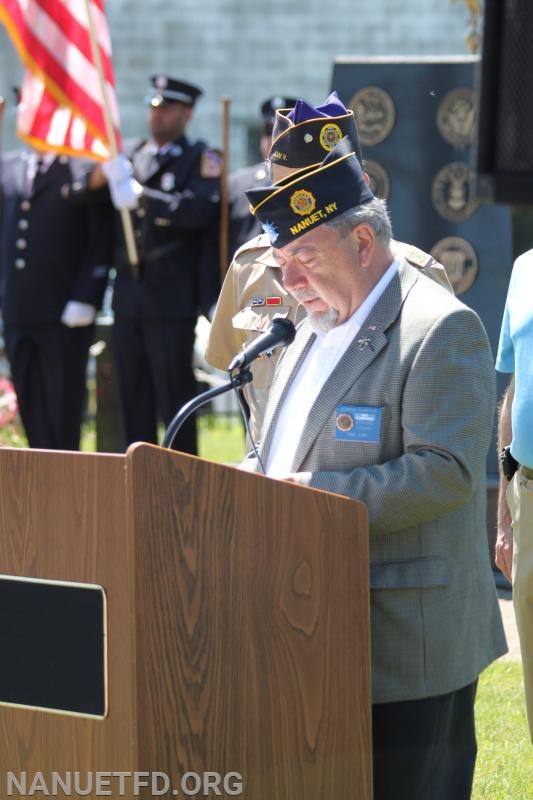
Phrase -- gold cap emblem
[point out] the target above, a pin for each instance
(303, 202)
(330, 134)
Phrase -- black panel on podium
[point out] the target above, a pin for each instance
(416, 120)
(53, 637)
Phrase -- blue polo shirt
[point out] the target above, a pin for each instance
(515, 354)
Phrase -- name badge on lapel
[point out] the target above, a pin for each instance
(358, 423)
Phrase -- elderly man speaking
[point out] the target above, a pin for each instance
(387, 395)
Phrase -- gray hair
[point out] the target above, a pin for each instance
(374, 213)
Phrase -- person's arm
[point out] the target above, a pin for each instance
(96, 228)
(196, 205)
(504, 536)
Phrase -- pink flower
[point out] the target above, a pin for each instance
(8, 403)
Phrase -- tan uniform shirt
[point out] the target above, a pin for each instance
(252, 295)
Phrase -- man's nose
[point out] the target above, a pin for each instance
(293, 275)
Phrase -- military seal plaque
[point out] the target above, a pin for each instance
(460, 260)
(379, 179)
(374, 113)
(456, 116)
(453, 192)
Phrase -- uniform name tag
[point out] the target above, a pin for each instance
(358, 423)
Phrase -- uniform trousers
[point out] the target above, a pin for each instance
(48, 365)
(520, 502)
(425, 749)
(154, 362)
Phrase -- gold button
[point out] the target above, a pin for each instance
(25, 205)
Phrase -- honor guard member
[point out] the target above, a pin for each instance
(54, 261)
(172, 185)
(253, 292)
(243, 226)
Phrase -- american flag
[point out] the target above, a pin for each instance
(66, 49)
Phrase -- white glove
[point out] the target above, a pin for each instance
(172, 200)
(125, 190)
(78, 315)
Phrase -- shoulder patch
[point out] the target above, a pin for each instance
(211, 163)
(418, 258)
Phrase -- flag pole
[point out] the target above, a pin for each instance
(224, 199)
(2, 107)
(127, 225)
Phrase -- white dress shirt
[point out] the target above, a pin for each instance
(36, 162)
(324, 355)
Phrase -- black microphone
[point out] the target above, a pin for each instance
(280, 333)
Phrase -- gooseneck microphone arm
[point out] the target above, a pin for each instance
(280, 334)
(236, 381)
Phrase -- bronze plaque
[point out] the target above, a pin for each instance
(379, 180)
(374, 113)
(460, 260)
(456, 116)
(453, 192)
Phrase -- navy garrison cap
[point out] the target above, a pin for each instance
(311, 196)
(303, 134)
(169, 90)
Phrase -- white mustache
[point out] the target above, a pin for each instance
(303, 294)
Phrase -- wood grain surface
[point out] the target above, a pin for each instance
(62, 518)
(253, 630)
(238, 622)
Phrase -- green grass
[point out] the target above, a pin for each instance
(504, 769)
(221, 440)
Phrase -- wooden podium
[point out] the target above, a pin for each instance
(236, 631)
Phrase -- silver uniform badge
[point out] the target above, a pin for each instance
(168, 181)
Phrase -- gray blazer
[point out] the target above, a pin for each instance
(423, 358)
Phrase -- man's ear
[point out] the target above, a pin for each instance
(364, 238)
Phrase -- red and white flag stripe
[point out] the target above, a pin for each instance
(62, 107)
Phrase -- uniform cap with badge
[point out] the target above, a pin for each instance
(309, 197)
(269, 108)
(302, 135)
(170, 90)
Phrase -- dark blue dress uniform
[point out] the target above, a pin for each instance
(52, 251)
(177, 234)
